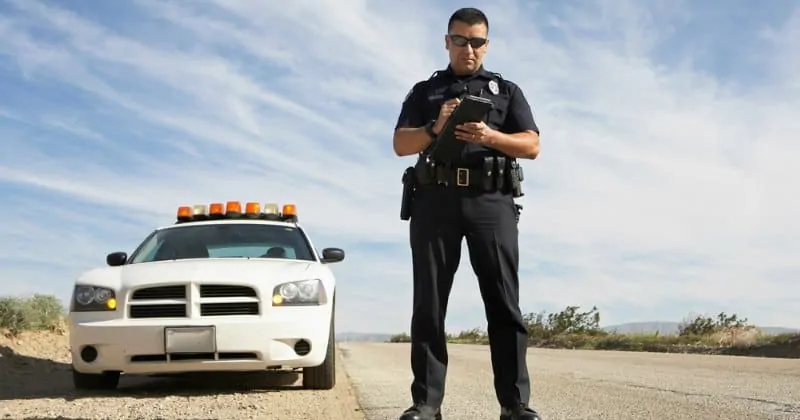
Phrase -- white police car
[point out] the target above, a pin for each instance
(220, 290)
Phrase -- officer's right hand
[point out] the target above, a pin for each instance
(444, 113)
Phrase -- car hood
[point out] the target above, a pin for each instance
(209, 270)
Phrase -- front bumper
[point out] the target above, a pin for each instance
(297, 337)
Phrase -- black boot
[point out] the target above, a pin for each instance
(421, 412)
(521, 412)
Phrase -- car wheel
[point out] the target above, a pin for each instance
(324, 375)
(106, 381)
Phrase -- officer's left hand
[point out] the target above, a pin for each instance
(474, 132)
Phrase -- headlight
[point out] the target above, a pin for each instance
(92, 298)
(304, 292)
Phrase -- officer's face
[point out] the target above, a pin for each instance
(467, 44)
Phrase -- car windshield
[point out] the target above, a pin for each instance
(224, 240)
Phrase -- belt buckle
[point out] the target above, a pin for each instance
(462, 177)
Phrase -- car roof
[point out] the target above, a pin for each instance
(241, 221)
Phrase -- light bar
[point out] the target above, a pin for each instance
(233, 210)
(215, 209)
(233, 207)
(184, 213)
(199, 212)
(271, 208)
(252, 209)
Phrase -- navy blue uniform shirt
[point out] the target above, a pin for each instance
(511, 113)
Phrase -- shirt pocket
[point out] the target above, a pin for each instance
(497, 116)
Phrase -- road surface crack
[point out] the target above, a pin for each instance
(779, 406)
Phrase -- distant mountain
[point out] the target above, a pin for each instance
(363, 337)
(666, 328)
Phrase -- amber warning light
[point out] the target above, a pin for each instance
(233, 210)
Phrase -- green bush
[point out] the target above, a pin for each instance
(543, 326)
(475, 335)
(400, 338)
(38, 313)
(574, 329)
(698, 325)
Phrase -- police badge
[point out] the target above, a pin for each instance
(493, 87)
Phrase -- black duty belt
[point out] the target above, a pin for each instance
(493, 176)
(459, 177)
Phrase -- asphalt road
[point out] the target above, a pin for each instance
(574, 384)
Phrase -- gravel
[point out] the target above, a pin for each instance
(35, 383)
(575, 384)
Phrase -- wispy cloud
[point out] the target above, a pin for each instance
(664, 185)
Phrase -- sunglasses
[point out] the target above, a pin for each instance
(462, 41)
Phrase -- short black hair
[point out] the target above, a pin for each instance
(470, 16)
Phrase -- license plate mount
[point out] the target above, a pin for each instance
(190, 339)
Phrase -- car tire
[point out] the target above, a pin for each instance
(324, 375)
(107, 381)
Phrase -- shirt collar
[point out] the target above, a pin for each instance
(481, 72)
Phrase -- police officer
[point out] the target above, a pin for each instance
(466, 198)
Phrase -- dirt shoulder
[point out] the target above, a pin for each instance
(37, 384)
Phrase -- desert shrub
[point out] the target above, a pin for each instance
(400, 338)
(40, 312)
(784, 338)
(570, 321)
(700, 325)
(473, 335)
(574, 329)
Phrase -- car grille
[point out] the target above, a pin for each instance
(161, 292)
(228, 308)
(175, 301)
(176, 310)
(225, 290)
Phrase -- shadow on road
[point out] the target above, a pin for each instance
(25, 377)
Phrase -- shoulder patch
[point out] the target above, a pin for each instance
(418, 87)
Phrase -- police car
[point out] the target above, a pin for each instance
(222, 289)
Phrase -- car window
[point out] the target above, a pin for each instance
(269, 250)
(225, 240)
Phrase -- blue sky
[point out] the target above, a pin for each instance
(663, 186)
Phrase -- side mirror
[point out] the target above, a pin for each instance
(116, 259)
(332, 255)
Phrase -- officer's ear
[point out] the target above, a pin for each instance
(447, 42)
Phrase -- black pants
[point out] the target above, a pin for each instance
(441, 218)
